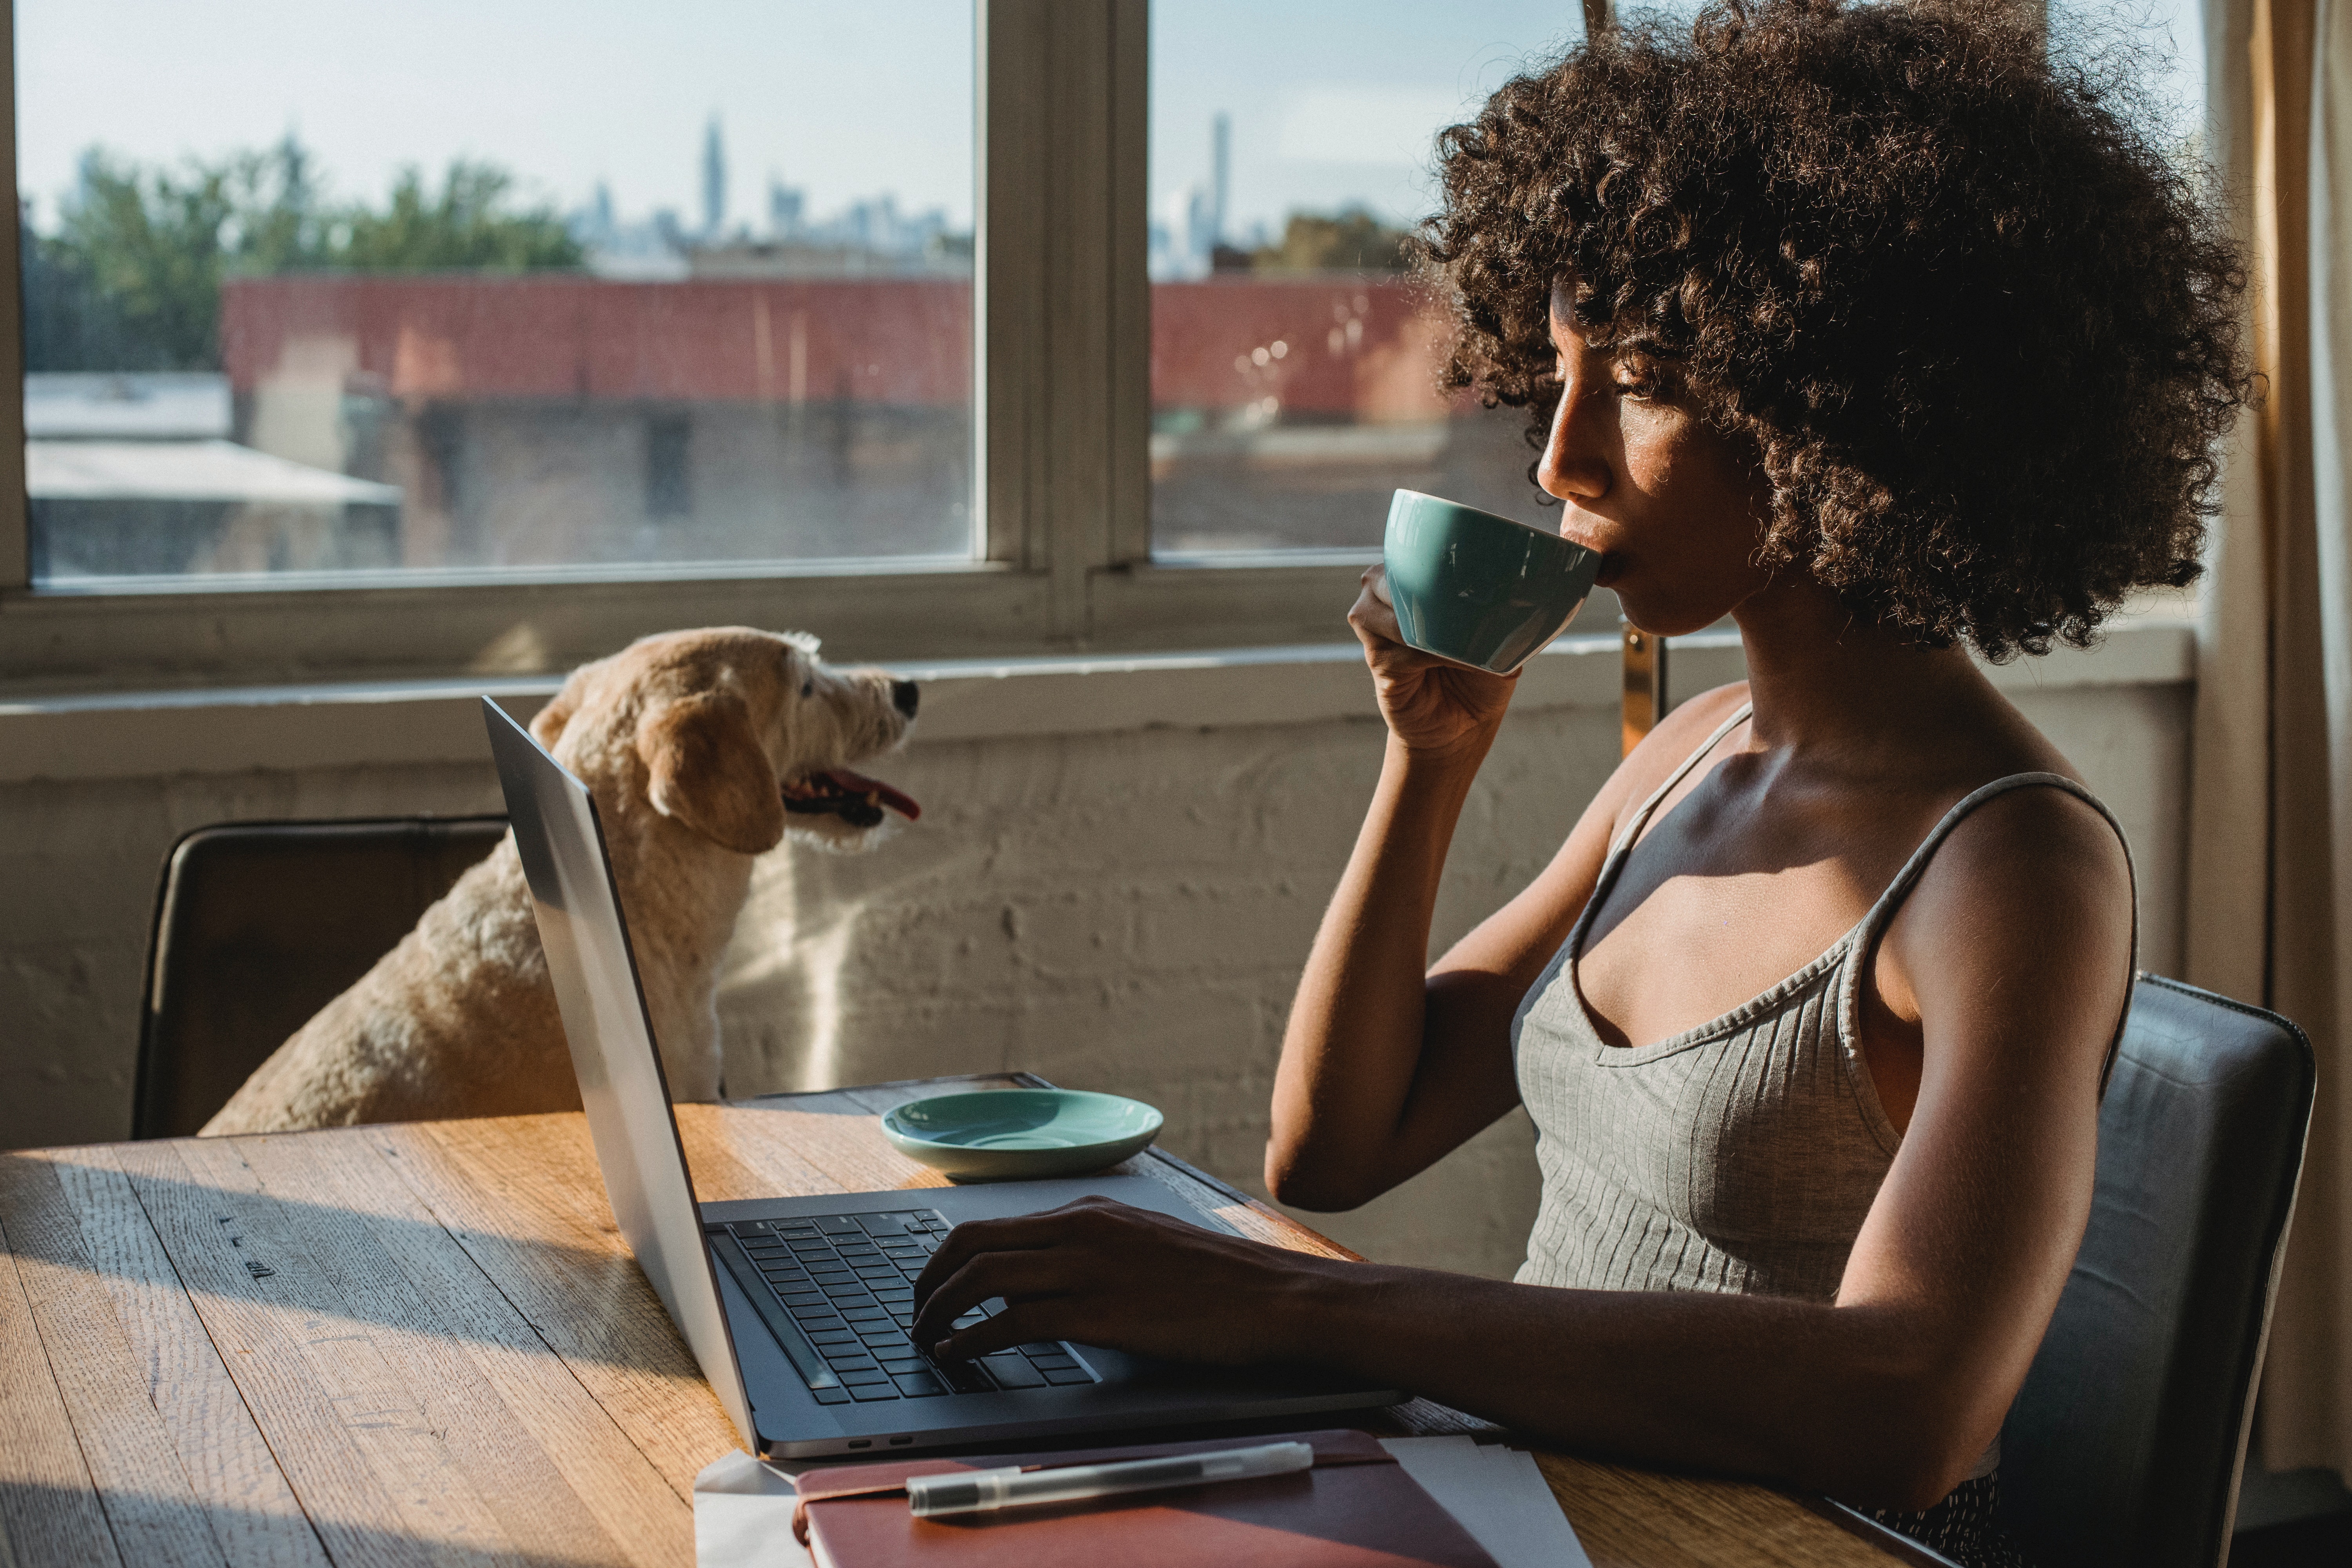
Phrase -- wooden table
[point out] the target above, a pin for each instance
(427, 1343)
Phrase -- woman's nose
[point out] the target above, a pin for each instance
(1571, 466)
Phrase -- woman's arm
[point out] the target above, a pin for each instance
(1369, 1076)
(2014, 950)
(1384, 1069)
(1379, 1075)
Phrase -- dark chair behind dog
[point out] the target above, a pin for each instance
(260, 924)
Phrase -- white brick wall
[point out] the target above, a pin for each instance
(1115, 878)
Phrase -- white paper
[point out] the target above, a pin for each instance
(743, 1509)
(1497, 1494)
(743, 1516)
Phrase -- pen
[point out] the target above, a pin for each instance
(976, 1491)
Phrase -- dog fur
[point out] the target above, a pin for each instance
(692, 743)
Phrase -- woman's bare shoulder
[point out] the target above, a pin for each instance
(1667, 746)
(1681, 732)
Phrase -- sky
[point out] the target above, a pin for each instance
(845, 100)
(1338, 103)
(1331, 104)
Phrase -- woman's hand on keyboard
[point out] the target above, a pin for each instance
(1106, 1273)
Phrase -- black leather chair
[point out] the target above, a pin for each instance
(259, 925)
(2124, 1445)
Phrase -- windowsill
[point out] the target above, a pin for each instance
(145, 734)
(272, 585)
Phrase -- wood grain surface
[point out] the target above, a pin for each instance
(428, 1344)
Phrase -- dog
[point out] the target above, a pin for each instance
(703, 749)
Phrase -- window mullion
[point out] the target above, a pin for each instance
(15, 525)
(1129, 373)
(1065, 311)
(1007, 275)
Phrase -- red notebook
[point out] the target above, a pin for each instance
(1355, 1509)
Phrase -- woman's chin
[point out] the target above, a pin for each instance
(1664, 621)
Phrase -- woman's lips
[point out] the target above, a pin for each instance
(1611, 563)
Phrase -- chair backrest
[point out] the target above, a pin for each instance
(260, 924)
(2124, 1445)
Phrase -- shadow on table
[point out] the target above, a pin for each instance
(298, 1254)
(43, 1525)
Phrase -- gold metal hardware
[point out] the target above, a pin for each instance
(1645, 685)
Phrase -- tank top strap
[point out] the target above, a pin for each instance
(1641, 815)
(1867, 935)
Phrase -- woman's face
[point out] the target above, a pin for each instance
(1674, 507)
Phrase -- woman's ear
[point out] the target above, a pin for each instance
(708, 773)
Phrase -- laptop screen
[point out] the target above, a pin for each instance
(611, 1040)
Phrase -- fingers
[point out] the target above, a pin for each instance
(1032, 1255)
(1017, 1325)
(1021, 1279)
(1372, 617)
(977, 1235)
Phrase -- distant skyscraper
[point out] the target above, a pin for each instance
(1221, 175)
(714, 182)
(785, 205)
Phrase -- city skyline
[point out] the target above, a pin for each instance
(614, 96)
(1329, 106)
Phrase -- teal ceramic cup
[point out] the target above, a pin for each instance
(1479, 589)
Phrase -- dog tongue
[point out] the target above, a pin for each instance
(859, 783)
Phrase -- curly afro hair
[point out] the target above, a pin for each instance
(1982, 332)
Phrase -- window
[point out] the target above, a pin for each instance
(526, 456)
(1293, 358)
(2165, 42)
(324, 288)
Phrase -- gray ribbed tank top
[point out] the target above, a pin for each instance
(1738, 1156)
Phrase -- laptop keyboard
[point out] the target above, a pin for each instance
(838, 1292)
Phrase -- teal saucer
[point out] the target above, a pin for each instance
(1019, 1134)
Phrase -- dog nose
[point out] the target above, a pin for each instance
(904, 695)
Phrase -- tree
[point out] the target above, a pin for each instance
(1351, 240)
(464, 227)
(68, 324)
(131, 279)
(147, 253)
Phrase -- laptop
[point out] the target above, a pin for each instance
(796, 1308)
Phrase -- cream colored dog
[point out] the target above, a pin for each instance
(703, 749)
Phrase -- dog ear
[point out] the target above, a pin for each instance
(547, 724)
(709, 774)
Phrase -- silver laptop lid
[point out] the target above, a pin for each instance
(612, 1039)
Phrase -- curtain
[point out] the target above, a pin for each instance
(2270, 884)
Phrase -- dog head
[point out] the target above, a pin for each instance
(740, 736)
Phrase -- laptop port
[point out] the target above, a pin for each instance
(908, 1439)
(861, 1442)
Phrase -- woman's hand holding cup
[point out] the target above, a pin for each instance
(1431, 705)
(1461, 599)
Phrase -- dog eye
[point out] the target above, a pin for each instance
(808, 688)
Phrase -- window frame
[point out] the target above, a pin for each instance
(1061, 477)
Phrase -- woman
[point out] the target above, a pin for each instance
(1872, 330)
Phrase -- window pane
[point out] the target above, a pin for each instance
(2164, 42)
(312, 286)
(1294, 363)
